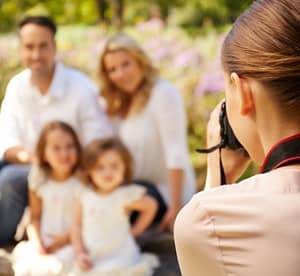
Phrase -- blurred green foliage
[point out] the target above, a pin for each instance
(189, 14)
(195, 13)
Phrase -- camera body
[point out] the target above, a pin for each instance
(228, 139)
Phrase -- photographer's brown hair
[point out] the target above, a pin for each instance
(270, 50)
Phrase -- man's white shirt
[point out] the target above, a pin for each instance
(72, 97)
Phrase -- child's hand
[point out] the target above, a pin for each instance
(58, 242)
(39, 245)
(84, 261)
(42, 249)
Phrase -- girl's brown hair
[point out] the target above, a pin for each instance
(118, 102)
(42, 143)
(264, 44)
(96, 148)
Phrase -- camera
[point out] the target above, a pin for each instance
(228, 139)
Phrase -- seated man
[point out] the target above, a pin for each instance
(46, 90)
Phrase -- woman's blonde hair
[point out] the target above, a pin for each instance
(118, 102)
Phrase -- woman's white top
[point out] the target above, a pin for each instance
(106, 233)
(157, 140)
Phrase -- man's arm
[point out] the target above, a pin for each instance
(17, 155)
(11, 147)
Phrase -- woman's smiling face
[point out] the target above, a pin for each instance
(124, 71)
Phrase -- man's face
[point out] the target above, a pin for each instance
(37, 48)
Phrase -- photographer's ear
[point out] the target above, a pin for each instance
(244, 96)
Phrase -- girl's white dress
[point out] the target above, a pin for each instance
(106, 234)
(57, 201)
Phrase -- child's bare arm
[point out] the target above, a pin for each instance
(147, 207)
(81, 254)
(76, 229)
(59, 241)
(33, 229)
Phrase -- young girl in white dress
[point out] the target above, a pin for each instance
(103, 238)
(51, 197)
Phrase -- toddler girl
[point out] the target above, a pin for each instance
(51, 194)
(103, 237)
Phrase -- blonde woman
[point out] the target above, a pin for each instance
(150, 120)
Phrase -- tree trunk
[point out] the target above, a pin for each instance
(118, 7)
(102, 7)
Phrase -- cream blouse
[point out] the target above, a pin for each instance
(246, 229)
(157, 140)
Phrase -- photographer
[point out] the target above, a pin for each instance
(252, 228)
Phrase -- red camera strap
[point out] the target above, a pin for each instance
(285, 152)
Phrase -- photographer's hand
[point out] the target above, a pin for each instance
(234, 161)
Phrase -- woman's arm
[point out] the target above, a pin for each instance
(33, 229)
(234, 161)
(147, 207)
(175, 188)
(81, 254)
(170, 117)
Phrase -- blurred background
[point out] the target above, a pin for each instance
(183, 37)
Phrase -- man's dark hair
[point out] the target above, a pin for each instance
(39, 20)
